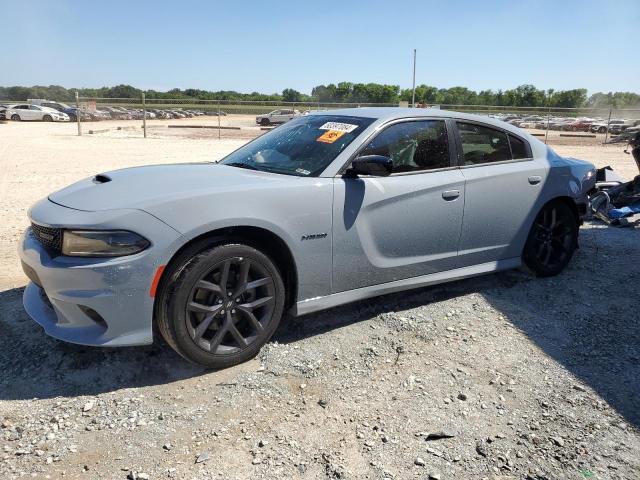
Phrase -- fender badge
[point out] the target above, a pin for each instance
(315, 236)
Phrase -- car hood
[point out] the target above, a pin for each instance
(144, 187)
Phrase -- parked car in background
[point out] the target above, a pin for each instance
(59, 106)
(620, 127)
(331, 208)
(117, 113)
(579, 125)
(277, 117)
(604, 125)
(26, 112)
(528, 123)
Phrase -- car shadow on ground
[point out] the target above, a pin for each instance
(585, 319)
(37, 366)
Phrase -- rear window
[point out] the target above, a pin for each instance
(482, 144)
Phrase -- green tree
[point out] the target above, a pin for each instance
(291, 95)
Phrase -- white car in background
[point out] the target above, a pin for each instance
(24, 111)
(277, 116)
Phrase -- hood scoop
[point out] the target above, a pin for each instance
(101, 178)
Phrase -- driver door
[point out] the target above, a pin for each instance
(407, 224)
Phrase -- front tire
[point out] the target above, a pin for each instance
(47, 118)
(15, 118)
(265, 122)
(552, 240)
(220, 306)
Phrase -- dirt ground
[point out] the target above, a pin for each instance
(523, 377)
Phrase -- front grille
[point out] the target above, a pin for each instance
(49, 237)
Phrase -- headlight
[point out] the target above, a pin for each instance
(105, 243)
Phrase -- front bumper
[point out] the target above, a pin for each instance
(93, 301)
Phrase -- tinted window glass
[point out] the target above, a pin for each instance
(482, 144)
(518, 148)
(413, 146)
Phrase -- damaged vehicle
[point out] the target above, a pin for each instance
(330, 208)
(613, 200)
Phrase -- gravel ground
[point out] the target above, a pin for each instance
(502, 376)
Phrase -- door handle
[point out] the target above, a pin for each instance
(535, 179)
(449, 195)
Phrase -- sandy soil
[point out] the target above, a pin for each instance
(531, 378)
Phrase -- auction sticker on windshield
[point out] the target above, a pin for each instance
(330, 136)
(339, 127)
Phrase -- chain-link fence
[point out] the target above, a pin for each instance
(142, 114)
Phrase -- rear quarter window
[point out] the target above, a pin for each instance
(519, 148)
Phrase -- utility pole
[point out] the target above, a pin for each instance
(413, 95)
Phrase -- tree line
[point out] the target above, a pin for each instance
(348, 92)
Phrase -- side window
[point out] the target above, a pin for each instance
(482, 144)
(33, 107)
(518, 148)
(413, 146)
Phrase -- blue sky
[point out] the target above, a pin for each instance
(270, 45)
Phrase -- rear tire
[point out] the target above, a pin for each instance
(15, 118)
(602, 130)
(219, 307)
(552, 240)
(264, 122)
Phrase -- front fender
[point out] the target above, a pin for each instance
(302, 210)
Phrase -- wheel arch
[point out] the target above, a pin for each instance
(259, 238)
(570, 202)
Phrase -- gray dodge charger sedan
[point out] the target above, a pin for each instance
(327, 209)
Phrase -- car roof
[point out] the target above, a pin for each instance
(392, 113)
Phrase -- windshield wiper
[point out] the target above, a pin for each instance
(242, 165)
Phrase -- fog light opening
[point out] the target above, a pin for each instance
(93, 315)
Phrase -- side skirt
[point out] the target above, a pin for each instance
(321, 303)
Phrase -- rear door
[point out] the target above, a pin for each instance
(404, 225)
(503, 183)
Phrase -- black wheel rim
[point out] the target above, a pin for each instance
(553, 238)
(231, 306)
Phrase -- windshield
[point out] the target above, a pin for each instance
(303, 147)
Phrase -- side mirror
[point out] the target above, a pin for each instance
(375, 165)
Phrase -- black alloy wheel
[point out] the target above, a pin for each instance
(552, 240)
(220, 306)
(230, 306)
